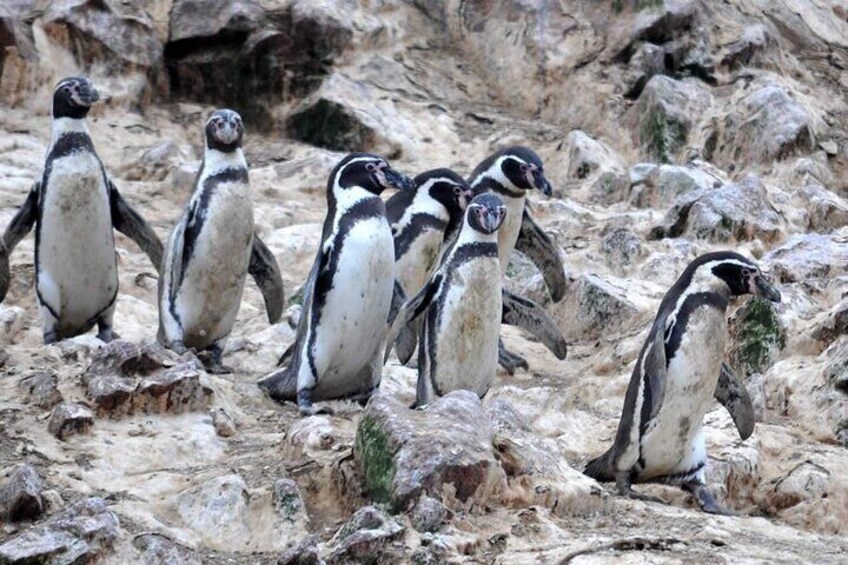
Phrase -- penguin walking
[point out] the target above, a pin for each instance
(679, 371)
(511, 173)
(74, 207)
(213, 248)
(462, 309)
(349, 293)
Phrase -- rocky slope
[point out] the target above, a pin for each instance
(668, 129)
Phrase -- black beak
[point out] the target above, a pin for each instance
(397, 180)
(542, 183)
(766, 290)
(89, 94)
(492, 220)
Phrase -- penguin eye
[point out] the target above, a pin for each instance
(457, 190)
(524, 168)
(66, 89)
(746, 273)
(370, 167)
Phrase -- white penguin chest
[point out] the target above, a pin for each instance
(466, 339)
(508, 232)
(418, 262)
(673, 442)
(354, 317)
(76, 251)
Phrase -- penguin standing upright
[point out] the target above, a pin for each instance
(679, 370)
(461, 305)
(74, 207)
(423, 220)
(349, 294)
(511, 173)
(212, 249)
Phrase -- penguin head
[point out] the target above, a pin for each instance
(740, 274)
(523, 168)
(224, 130)
(448, 189)
(73, 97)
(486, 213)
(368, 171)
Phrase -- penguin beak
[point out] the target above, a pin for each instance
(228, 133)
(88, 94)
(541, 183)
(492, 219)
(393, 179)
(766, 290)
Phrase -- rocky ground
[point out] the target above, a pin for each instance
(668, 129)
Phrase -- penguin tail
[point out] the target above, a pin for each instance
(601, 468)
(281, 385)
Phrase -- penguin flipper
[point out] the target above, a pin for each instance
(281, 385)
(23, 221)
(731, 393)
(530, 316)
(130, 223)
(411, 309)
(265, 271)
(538, 246)
(4, 271)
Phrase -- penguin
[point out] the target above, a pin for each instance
(679, 371)
(423, 220)
(511, 173)
(213, 248)
(74, 207)
(462, 309)
(350, 292)
(5, 270)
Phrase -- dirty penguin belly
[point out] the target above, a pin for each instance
(417, 263)
(674, 443)
(210, 294)
(77, 276)
(466, 343)
(354, 317)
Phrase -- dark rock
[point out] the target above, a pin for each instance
(20, 495)
(224, 424)
(733, 212)
(156, 549)
(328, 124)
(836, 369)
(656, 22)
(665, 113)
(807, 258)
(428, 514)
(118, 34)
(41, 389)
(444, 451)
(757, 335)
(111, 394)
(767, 126)
(305, 552)
(81, 533)
(196, 19)
(366, 538)
(128, 359)
(175, 391)
(70, 418)
(647, 62)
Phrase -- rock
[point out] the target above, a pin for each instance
(836, 369)
(586, 155)
(128, 359)
(647, 62)
(621, 248)
(366, 538)
(157, 548)
(654, 186)
(83, 532)
(111, 394)
(828, 211)
(444, 451)
(97, 31)
(830, 147)
(305, 552)
(768, 125)
(225, 426)
(805, 481)
(610, 187)
(808, 257)
(749, 48)
(288, 500)
(664, 115)
(834, 325)
(593, 307)
(428, 515)
(236, 53)
(734, 212)
(155, 163)
(690, 55)
(757, 335)
(217, 510)
(41, 389)
(20, 494)
(656, 22)
(70, 418)
(175, 391)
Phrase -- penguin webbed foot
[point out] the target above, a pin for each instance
(705, 499)
(50, 337)
(624, 488)
(306, 408)
(509, 360)
(177, 347)
(212, 360)
(107, 334)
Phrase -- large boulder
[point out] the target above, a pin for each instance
(444, 451)
(809, 258)
(595, 306)
(20, 494)
(654, 186)
(733, 212)
(367, 538)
